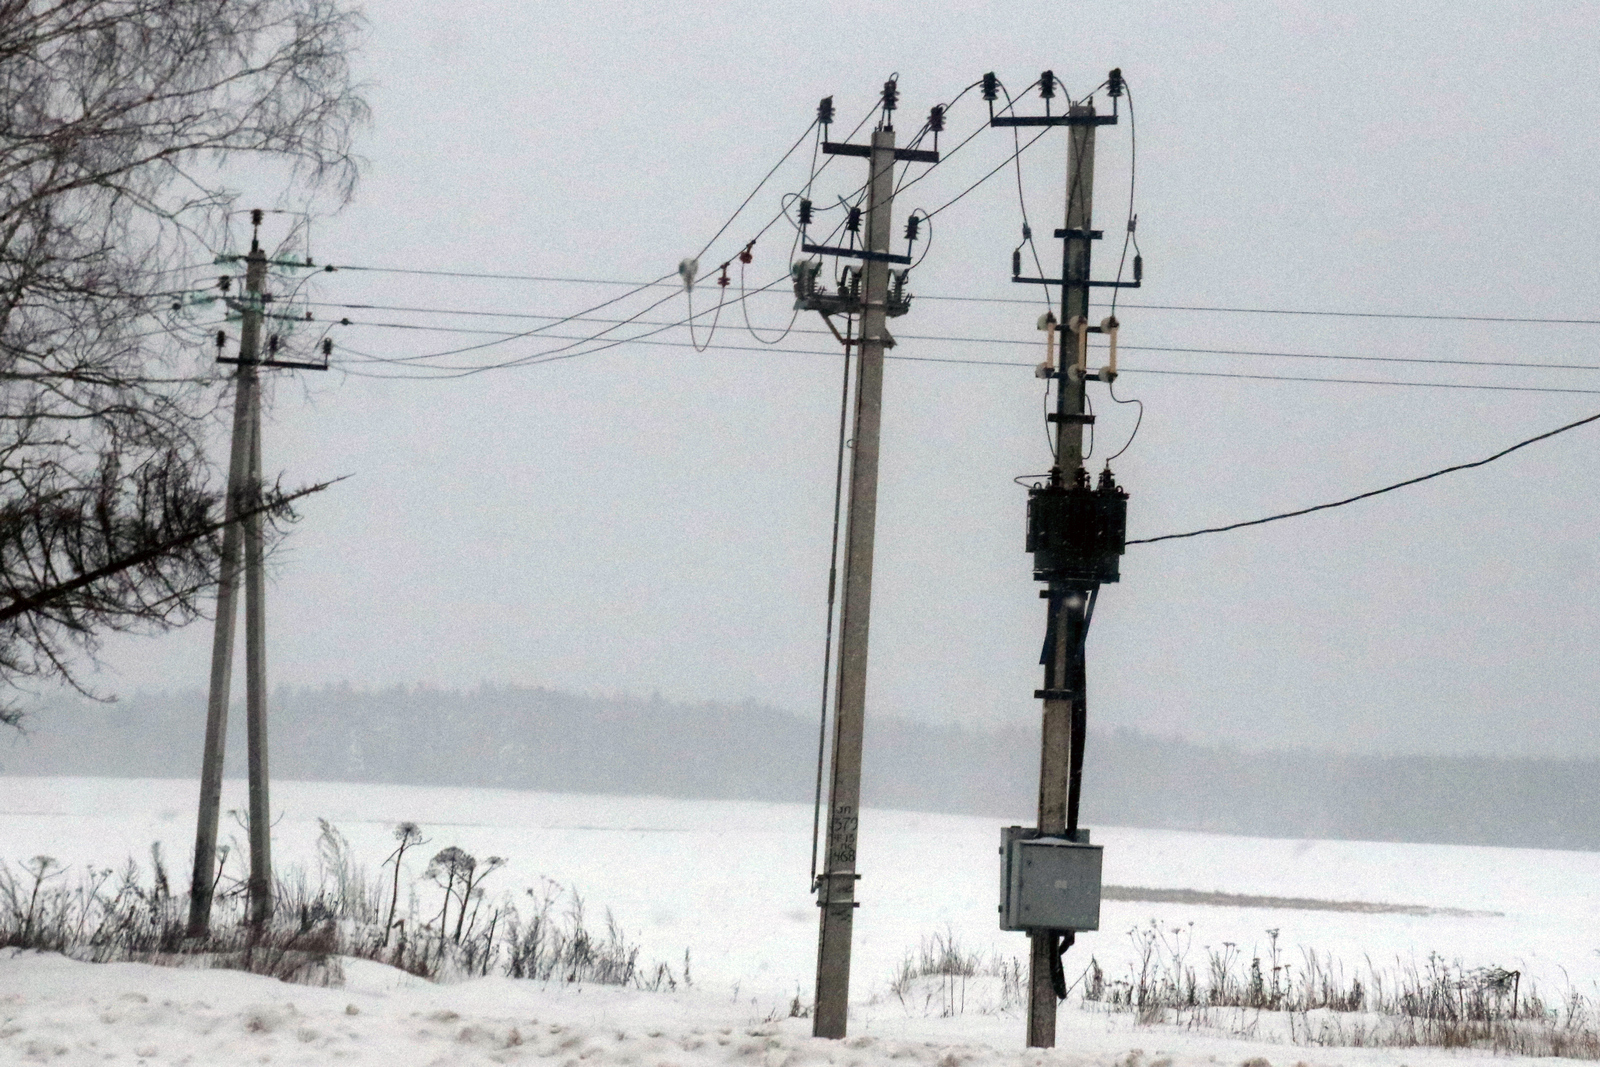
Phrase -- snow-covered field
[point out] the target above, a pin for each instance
(728, 882)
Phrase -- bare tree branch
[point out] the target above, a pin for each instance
(119, 120)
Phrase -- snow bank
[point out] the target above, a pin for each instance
(54, 1010)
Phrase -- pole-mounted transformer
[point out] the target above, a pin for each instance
(1077, 534)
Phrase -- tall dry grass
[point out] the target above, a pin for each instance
(448, 926)
(1315, 999)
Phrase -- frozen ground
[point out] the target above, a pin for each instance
(54, 1010)
(728, 881)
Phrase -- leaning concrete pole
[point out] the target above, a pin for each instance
(837, 882)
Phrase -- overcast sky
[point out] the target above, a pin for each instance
(652, 518)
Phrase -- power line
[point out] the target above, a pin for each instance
(1517, 364)
(759, 186)
(998, 168)
(553, 353)
(643, 340)
(562, 352)
(1360, 381)
(1421, 316)
(954, 339)
(1372, 493)
(1366, 314)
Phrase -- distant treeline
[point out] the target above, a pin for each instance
(530, 738)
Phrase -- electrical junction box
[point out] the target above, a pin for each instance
(1048, 883)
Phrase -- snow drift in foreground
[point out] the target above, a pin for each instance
(55, 1010)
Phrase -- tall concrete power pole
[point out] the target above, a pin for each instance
(875, 295)
(244, 535)
(837, 883)
(243, 474)
(255, 670)
(1064, 698)
(1075, 532)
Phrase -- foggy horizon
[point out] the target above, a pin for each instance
(658, 518)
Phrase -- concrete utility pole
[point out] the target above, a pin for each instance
(837, 883)
(243, 481)
(255, 669)
(876, 295)
(245, 493)
(1065, 707)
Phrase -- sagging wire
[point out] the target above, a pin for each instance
(597, 336)
(1022, 201)
(564, 352)
(914, 222)
(1373, 492)
(744, 305)
(1133, 218)
(1088, 403)
(1111, 387)
(722, 289)
(577, 315)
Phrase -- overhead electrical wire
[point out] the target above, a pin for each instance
(551, 353)
(646, 339)
(916, 141)
(833, 574)
(1246, 352)
(1529, 320)
(998, 168)
(1022, 201)
(1372, 493)
(565, 351)
(1423, 316)
(1111, 387)
(599, 341)
(1133, 218)
(759, 186)
(1360, 381)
